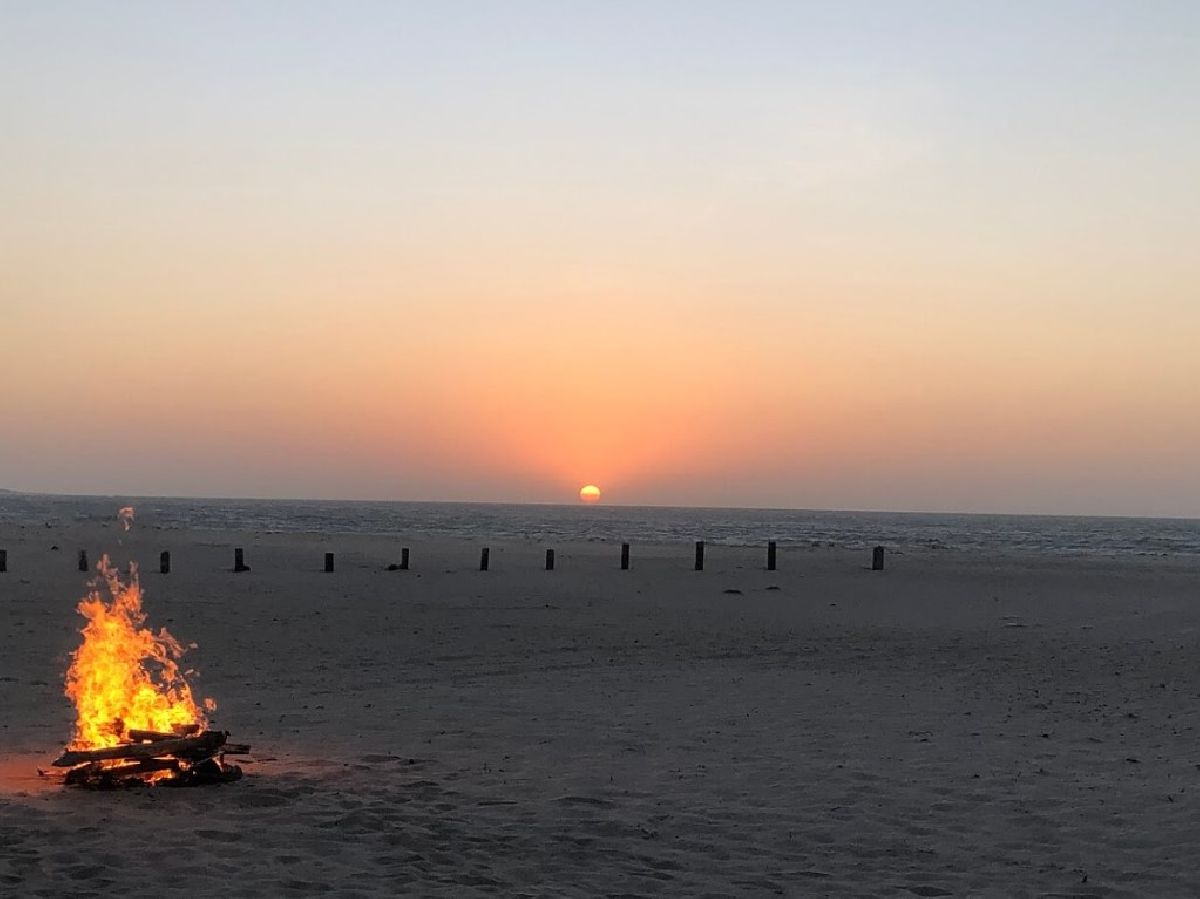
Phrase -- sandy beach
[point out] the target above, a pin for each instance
(956, 725)
(385, 281)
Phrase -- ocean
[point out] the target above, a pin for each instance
(649, 524)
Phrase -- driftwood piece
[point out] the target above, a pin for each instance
(202, 745)
(179, 730)
(97, 771)
(145, 766)
(209, 771)
(101, 776)
(150, 736)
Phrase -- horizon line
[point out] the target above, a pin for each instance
(602, 504)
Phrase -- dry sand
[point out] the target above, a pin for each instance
(1013, 726)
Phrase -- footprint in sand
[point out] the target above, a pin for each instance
(221, 836)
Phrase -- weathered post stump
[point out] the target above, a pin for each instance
(239, 562)
(770, 555)
(484, 557)
(164, 562)
(624, 556)
(877, 559)
(549, 560)
(404, 558)
(3, 560)
(83, 560)
(328, 563)
(699, 555)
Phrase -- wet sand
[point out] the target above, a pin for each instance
(954, 725)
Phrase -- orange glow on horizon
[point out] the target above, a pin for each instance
(589, 494)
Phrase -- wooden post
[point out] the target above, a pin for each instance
(3, 560)
(164, 562)
(549, 560)
(624, 556)
(770, 555)
(328, 563)
(239, 563)
(404, 558)
(699, 555)
(877, 559)
(83, 562)
(484, 557)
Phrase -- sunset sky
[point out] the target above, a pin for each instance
(934, 256)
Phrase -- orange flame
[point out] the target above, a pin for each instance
(124, 677)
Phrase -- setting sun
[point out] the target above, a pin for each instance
(589, 494)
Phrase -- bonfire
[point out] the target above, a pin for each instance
(136, 720)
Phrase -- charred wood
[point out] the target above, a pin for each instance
(179, 730)
(200, 746)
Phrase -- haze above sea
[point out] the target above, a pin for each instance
(635, 524)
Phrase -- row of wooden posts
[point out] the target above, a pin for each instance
(239, 559)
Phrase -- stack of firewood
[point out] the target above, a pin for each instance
(184, 758)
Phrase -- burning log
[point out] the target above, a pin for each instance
(205, 744)
(161, 758)
(168, 772)
(99, 775)
(180, 730)
(150, 736)
(209, 771)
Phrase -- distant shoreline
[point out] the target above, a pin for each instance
(598, 507)
(640, 525)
